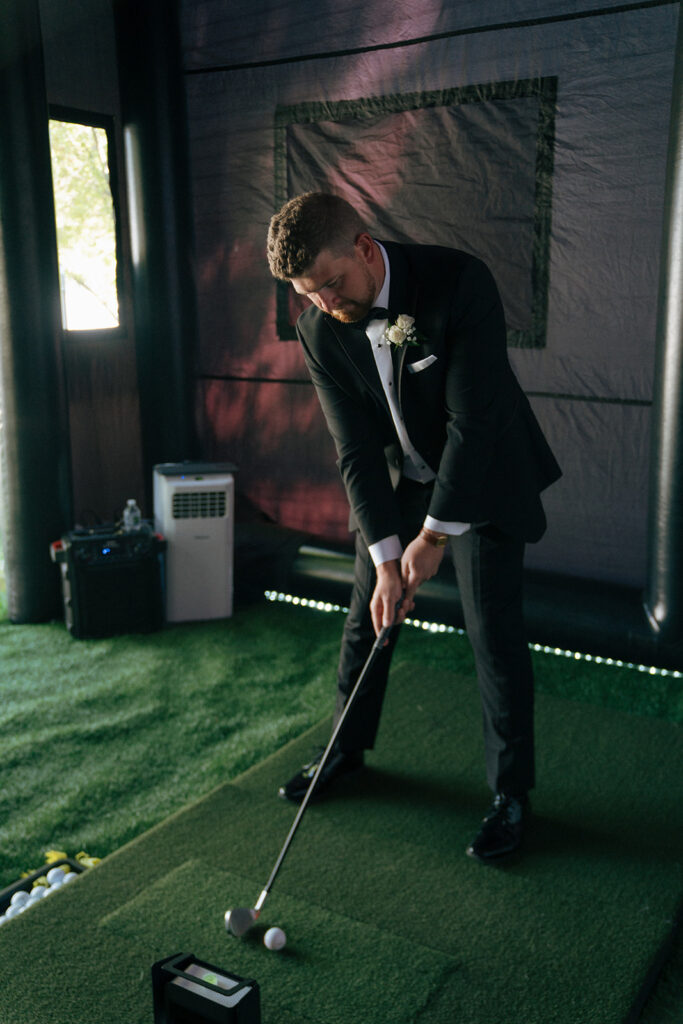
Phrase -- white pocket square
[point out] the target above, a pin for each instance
(421, 364)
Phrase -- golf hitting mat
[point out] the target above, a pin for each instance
(321, 944)
(386, 919)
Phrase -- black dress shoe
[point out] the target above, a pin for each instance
(338, 763)
(502, 829)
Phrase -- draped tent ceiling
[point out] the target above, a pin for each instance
(531, 133)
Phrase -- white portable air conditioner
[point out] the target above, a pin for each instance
(194, 510)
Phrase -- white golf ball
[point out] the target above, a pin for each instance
(55, 876)
(275, 938)
(19, 898)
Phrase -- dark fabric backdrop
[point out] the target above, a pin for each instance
(278, 100)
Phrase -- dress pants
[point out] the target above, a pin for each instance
(488, 567)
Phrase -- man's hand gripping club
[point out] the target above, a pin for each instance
(420, 561)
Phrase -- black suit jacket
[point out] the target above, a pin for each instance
(462, 405)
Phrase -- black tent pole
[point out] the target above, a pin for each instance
(155, 143)
(36, 490)
(664, 594)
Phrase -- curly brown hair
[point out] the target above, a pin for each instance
(305, 226)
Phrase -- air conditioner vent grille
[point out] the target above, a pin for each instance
(199, 505)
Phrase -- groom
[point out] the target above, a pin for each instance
(437, 445)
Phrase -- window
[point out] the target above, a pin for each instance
(86, 223)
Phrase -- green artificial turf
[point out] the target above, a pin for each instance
(332, 945)
(101, 739)
(387, 920)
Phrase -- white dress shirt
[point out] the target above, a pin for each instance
(414, 466)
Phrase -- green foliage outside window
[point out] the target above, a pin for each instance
(86, 228)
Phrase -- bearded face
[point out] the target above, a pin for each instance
(342, 286)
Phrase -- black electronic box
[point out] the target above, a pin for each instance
(111, 580)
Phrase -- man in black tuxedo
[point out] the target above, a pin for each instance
(437, 445)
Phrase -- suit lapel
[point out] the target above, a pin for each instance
(403, 294)
(398, 358)
(354, 341)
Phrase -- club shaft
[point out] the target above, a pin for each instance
(374, 653)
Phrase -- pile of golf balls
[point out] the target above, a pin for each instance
(22, 899)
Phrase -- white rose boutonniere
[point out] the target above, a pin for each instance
(403, 331)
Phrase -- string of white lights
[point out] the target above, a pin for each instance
(440, 627)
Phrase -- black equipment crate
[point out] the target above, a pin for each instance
(111, 581)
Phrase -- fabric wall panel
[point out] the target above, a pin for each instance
(217, 33)
(597, 512)
(475, 173)
(275, 434)
(592, 380)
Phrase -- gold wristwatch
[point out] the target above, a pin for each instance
(437, 540)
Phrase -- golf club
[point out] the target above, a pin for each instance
(240, 919)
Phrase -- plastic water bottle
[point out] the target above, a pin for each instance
(132, 517)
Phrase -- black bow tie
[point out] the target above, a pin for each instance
(376, 313)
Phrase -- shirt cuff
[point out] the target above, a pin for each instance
(386, 550)
(452, 529)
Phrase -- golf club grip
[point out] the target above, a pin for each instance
(376, 649)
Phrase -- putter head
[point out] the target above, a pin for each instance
(239, 920)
